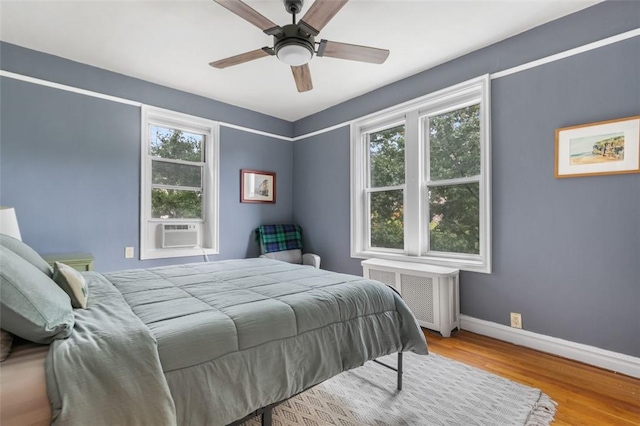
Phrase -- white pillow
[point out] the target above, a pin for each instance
(73, 283)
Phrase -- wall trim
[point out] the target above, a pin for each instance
(533, 64)
(614, 361)
(67, 88)
(568, 53)
(325, 130)
(254, 131)
(548, 59)
(125, 101)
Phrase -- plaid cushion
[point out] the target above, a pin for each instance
(274, 238)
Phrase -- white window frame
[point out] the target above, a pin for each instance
(416, 235)
(208, 225)
(389, 122)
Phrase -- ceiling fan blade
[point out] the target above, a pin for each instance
(242, 58)
(320, 13)
(302, 75)
(248, 13)
(352, 52)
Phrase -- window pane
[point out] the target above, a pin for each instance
(176, 174)
(174, 204)
(454, 225)
(387, 220)
(176, 144)
(386, 157)
(455, 143)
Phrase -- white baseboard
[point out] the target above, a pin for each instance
(603, 358)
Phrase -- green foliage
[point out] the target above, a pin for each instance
(454, 139)
(387, 226)
(175, 144)
(454, 153)
(455, 218)
(176, 203)
(176, 174)
(386, 150)
(171, 203)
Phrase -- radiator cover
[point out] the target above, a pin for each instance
(431, 292)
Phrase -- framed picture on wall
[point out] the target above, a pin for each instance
(602, 148)
(257, 186)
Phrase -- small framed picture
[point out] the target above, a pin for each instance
(602, 148)
(257, 186)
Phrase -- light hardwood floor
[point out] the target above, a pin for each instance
(585, 395)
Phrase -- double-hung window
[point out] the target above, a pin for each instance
(385, 187)
(421, 180)
(179, 177)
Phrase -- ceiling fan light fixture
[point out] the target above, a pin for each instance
(294, 54)
(295, 44)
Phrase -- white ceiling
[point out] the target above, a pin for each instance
(172, 42)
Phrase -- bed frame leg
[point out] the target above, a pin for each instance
(266, 416)
(399, 370)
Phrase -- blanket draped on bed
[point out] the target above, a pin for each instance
(108, 371)
(234, 336)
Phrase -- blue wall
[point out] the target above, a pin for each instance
(321, 192)
(59, 70)
(241, 150)
(70, 164)
(566, 252)
(589, 25)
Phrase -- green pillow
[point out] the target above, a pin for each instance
(26, 252)
(73, 283)
(32, 305)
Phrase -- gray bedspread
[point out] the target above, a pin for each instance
(233, 336)
(108, 371)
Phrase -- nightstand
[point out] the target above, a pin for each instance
(79, 261)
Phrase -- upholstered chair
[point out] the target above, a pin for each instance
(284, 243)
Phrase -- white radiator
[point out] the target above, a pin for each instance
(431, 292)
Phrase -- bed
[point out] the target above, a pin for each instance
(209, 343)
(23, 390)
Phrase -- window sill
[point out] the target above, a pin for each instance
(176, 252)
(463, 264)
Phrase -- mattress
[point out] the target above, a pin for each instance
(23, 393)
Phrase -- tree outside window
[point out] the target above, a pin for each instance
(386, 170)
(177, 167)
(421, 176)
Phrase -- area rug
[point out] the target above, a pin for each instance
(436, 391)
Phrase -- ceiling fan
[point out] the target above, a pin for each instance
(294, 44)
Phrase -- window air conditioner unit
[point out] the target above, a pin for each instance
(179, 235)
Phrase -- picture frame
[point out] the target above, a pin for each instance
(601, 148)
(257, 186)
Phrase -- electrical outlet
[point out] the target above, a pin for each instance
(516, 320)
(128, 252)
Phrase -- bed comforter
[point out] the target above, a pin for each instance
(206, 344)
